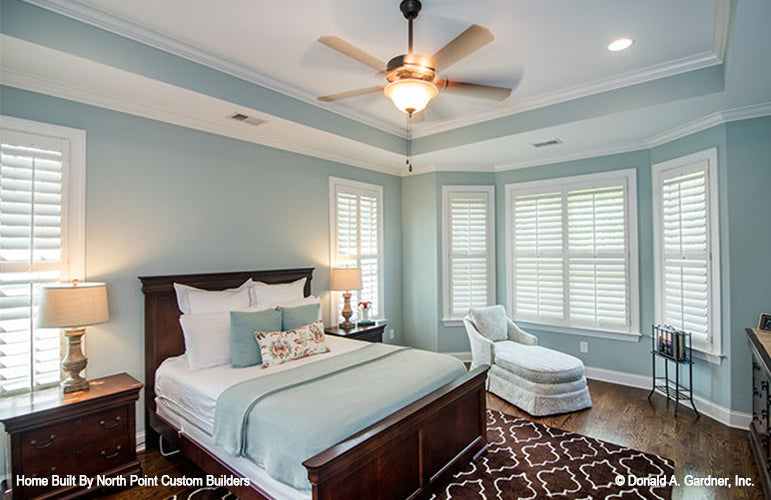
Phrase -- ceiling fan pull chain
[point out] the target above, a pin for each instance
(409, 142)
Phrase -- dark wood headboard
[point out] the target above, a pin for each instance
(163, 334)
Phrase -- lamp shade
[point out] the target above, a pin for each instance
(71, 305)
(346, 278)
(411, 95)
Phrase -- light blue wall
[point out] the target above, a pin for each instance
(744, 174)
(419, 261)
(749, 178)
(162, 199)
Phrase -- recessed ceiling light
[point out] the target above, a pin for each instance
(620, 44)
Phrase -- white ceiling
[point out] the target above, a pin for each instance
(541, 47)
(553, 51)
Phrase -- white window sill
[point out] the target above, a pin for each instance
(452, 322)
(626, 337)
(710, 357)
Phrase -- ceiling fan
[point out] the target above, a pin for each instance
(413, 79)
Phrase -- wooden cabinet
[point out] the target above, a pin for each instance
(370, 333)
(81, 433)
(760, 441)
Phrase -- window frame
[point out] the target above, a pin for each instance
(628, 179)
(73, 228)
(712, 350)
(448, 191)
(358, 188)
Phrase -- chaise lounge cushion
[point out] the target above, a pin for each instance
(538, 364)
(491, 322)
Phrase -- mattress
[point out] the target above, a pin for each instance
(193, 395)
(187, 399)
(241, 465)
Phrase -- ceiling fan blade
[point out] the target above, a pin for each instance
(477, 90)
(349, 93)
(340, 45)
(474, 38)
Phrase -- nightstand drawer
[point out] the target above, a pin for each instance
(86, 458)
(57, 439)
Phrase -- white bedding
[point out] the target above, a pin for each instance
(193, 395)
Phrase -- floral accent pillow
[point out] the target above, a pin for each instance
(280, 347)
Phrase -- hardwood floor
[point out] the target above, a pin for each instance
(621, 415)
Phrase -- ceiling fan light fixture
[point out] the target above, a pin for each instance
(411, 95)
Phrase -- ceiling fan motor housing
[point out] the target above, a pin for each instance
(413, 66)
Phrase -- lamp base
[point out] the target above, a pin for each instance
(74, 362)
(347, 312)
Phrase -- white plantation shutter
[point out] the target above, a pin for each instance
(537, 263)
(357, 241)
(571, 252)
(686, 261)
(469, 266)
(597, 266)
(41, 240)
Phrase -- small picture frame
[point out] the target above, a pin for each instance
(765, 322)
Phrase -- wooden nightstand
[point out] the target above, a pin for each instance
(371, 333)
(86, 432)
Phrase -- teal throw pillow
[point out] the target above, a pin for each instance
(244, 349)
(296, 317)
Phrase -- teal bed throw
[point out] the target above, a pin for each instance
(280, 420)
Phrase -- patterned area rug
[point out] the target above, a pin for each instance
(526, 460)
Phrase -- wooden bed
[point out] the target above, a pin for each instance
(395, 458)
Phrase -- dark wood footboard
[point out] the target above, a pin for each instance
(402, 454)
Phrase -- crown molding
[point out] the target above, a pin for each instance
(133, 31)
(709, 121)
(575, 155)
(237, 130)
(671, 68)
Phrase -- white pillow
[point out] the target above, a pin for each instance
(263, 293)
(207, 338)
(311, 299)
(193, 300)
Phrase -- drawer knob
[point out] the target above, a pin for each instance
(111, 455)
(104, 423)
(79, 453)
(44, 445)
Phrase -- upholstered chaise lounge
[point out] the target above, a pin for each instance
(538, 380)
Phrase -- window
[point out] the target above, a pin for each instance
(686, 255)
(469, 248)
(356, 210)
(41, 240)
(572, 252)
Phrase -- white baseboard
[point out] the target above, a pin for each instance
(726, 416)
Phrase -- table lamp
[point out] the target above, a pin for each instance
(345, 279)
(73, 306)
